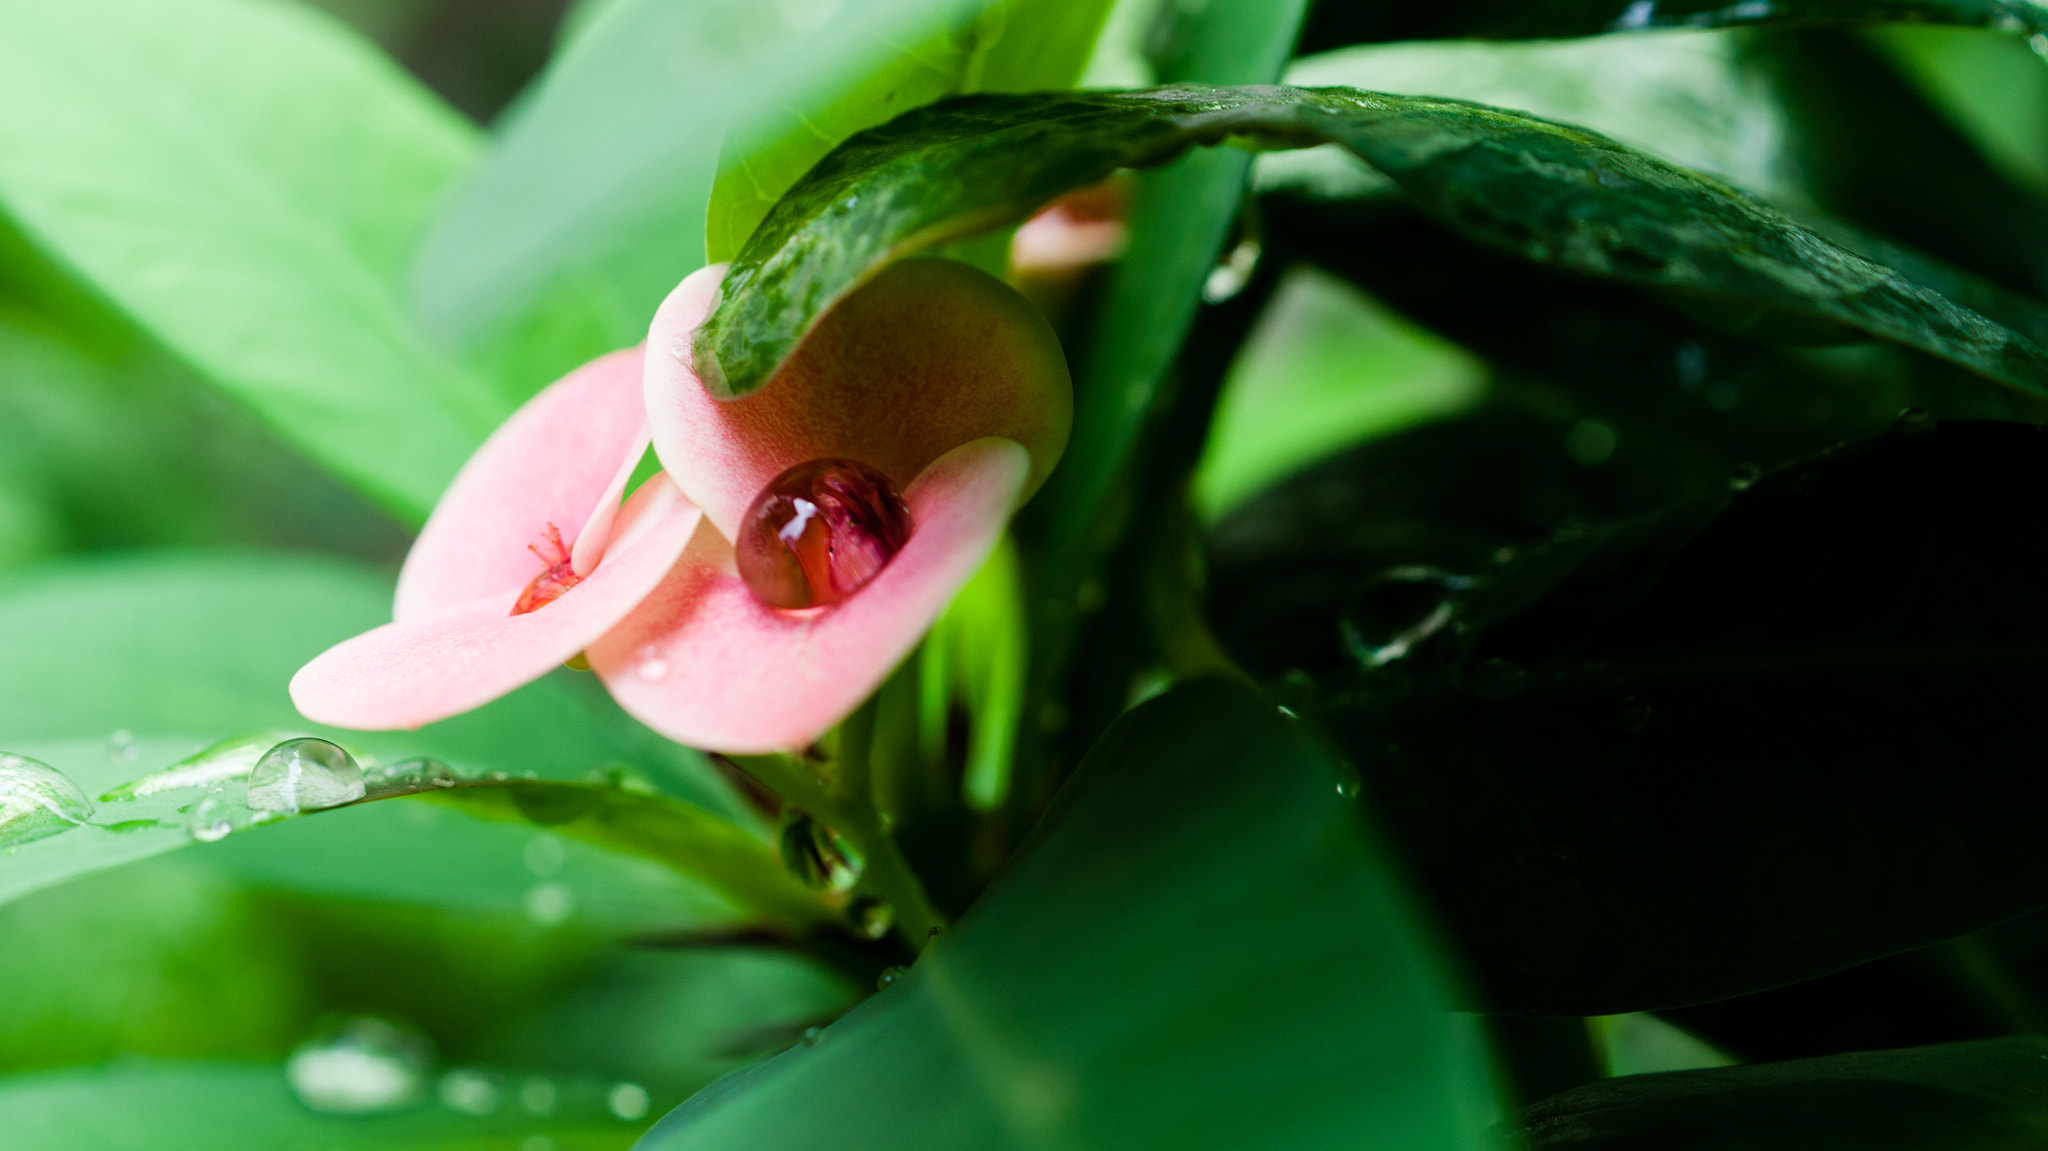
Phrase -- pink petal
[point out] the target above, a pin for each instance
(430, 667)
(928, 355)
(551, 463)
(706, 664)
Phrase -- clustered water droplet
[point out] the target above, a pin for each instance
(819, 532)
(362, 1066)
(304, 775)
(37, 801)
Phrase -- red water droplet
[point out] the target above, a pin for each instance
(820, 531)
(554, 579)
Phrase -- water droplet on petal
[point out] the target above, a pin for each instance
(363, 1066)
(872, 918)
(816, 854)
(819, 532)
(37, 801)
(649, 665)
(304, 775)
(468, 1091)
(538, 1095)
(628, 1101)
(121, 746)
(1914, 422)
(211, 820)
(889, 976)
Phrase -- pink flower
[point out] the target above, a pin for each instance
(938, 376)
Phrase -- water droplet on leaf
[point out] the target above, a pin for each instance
(1743, 475)
(210, 820)
(37, 801)
(1397, 610)
(871, 917)
(819, 532)
(816, 854)
(363, 1066)
(304, 775)
(889, 976)
(628, 1101)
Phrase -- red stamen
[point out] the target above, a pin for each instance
(554, 579)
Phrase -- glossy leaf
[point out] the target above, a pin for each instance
(597, 185)
(1200, 947)
(1340, 22)
(1738, 744)
(1555, 194)
(246, 181)
(170, 645)
(177, 1106)
(1984, 1096)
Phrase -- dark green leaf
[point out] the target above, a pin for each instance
(1555, 194)
(1340, 22)
(1735, 745)
(1985, 1096)
(209, 1106)
(1199, 948)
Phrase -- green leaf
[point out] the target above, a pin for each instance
(1199, 947)
(1555, 194)
(1017, 46)
(158, 646)
(247, 180)
(1983, 1096)
(598, 183)
(1339, 24)
(172, 1106)
(1735, 745)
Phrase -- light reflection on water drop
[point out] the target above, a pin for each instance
(304, 775)
(361, 1067)
(1397, 610)
(37, 801)
(649, 665)
(210, 820)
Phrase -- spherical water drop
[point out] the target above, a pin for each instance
(819, 532)
(816, 854)
(628, 1101)
(812, 1035)
(37, 801)
(889, 976)
(470, 1092)
(361, 1067)
(304, 775)
(210, 820)
(871, 917)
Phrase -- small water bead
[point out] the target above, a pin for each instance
(816, 854)
(819, 532)
(361, 1067)
(37, 801)
(889, 976)
(304, 775)
(211, 820)
(556, 576)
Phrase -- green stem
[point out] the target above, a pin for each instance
(847, 805)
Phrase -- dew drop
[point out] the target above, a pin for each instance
(816, 854)
(872, 918)
(819, 532)
(649, 665)
(812, 1035)
(121, 746)
(1397, 610)
(363, 1066)
(628, 1101)
(37, 801)
(304, 775)
(538, 1095)
(1496, 678)
(889, 976)
(1914, 422)
(469, 1091)
(211, 820)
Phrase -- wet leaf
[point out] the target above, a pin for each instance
(1983, 1096)
(1741, 743)
(1554, 194)
(1342, 22)
(1200, 947)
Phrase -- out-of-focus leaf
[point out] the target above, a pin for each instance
(1199, 948)
(1985, 1096)
(1991, 87)
(1555, 194)
(152, 646)
(1340, 22)
(176, 1106)
(247, 181)
(1325, 367)
(1742, 743)
(597, 185)
(1014, 46)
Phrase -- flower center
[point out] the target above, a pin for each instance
(820, 531)
(555, 578)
